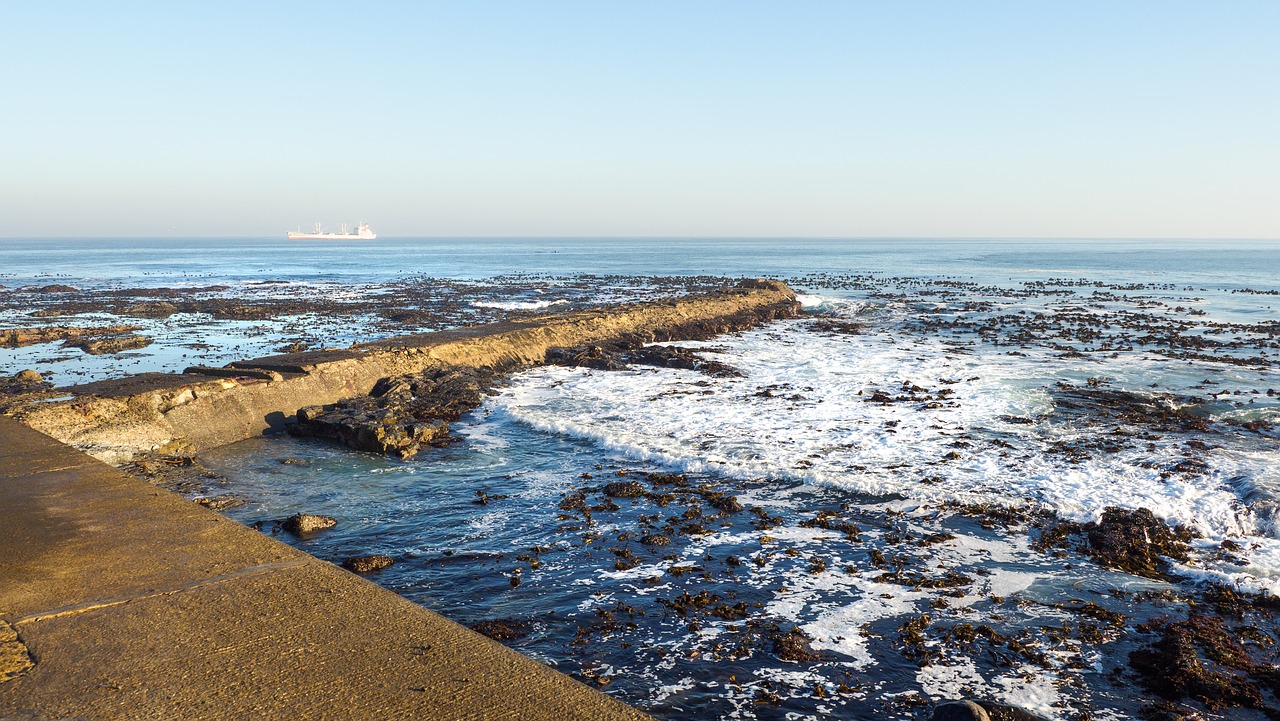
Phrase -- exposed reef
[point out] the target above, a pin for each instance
(396, 395)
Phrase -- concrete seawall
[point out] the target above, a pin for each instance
(205, 408)
(134, 603)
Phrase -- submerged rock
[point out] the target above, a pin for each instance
(304, 523)
(959, 711)
(503, 629)
(1203, 660)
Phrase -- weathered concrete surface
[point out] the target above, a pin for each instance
(137, 604)
(165, 413)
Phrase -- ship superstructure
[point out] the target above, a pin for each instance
(318, 232)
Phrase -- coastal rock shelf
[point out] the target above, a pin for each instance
(204, 408)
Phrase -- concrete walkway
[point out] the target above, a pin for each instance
(135, 603)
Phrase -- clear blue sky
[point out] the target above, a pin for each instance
(642, 118)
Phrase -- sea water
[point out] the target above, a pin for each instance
(924, 377)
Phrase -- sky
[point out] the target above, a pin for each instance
(684, 118)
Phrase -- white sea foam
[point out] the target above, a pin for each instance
(518, 304)
(802, 413)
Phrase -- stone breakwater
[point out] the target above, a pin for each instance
(204, 408)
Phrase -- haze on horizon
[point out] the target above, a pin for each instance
(987, 119)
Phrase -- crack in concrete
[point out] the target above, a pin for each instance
(247, 572)
(15, 659)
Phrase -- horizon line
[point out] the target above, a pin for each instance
(663, 237)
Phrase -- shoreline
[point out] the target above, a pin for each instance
(111, 582)
(203, 408)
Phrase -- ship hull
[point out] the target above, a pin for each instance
(329, 236)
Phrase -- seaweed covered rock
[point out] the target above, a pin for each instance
(1203, 660)
(503, 629)
(1136, 542)
(403, 414)
(794, 645)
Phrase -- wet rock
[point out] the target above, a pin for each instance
(1203, 660)
(150, 309)
(1136, 542)
(959, 711)
(223, 502)
(27, 381)
(28, 376)
(304, 523)
(794, 646)
(625, 489)
(180, 473)
(55, 288)
(112, 345)
(368, 564)
(622, 354)
(503, 629)
(19, 337)
(403, 414)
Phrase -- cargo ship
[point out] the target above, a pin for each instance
(319, 233)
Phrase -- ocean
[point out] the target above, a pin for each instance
(915, 461)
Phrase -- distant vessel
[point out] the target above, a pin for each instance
(319, 233)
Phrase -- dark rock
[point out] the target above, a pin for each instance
(304, 523)
(1136, 542)
(625, 489)
(1203, 660)
(503, 629)
(794, 646)
(403, 414)
(150, 309)
(114, 344)
(368, 564)
(959, 711)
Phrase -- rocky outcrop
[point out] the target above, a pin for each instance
(368, 564)
(304, 523)
(184, 413)
(19, 337)
(402, 414)
(112, 345)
